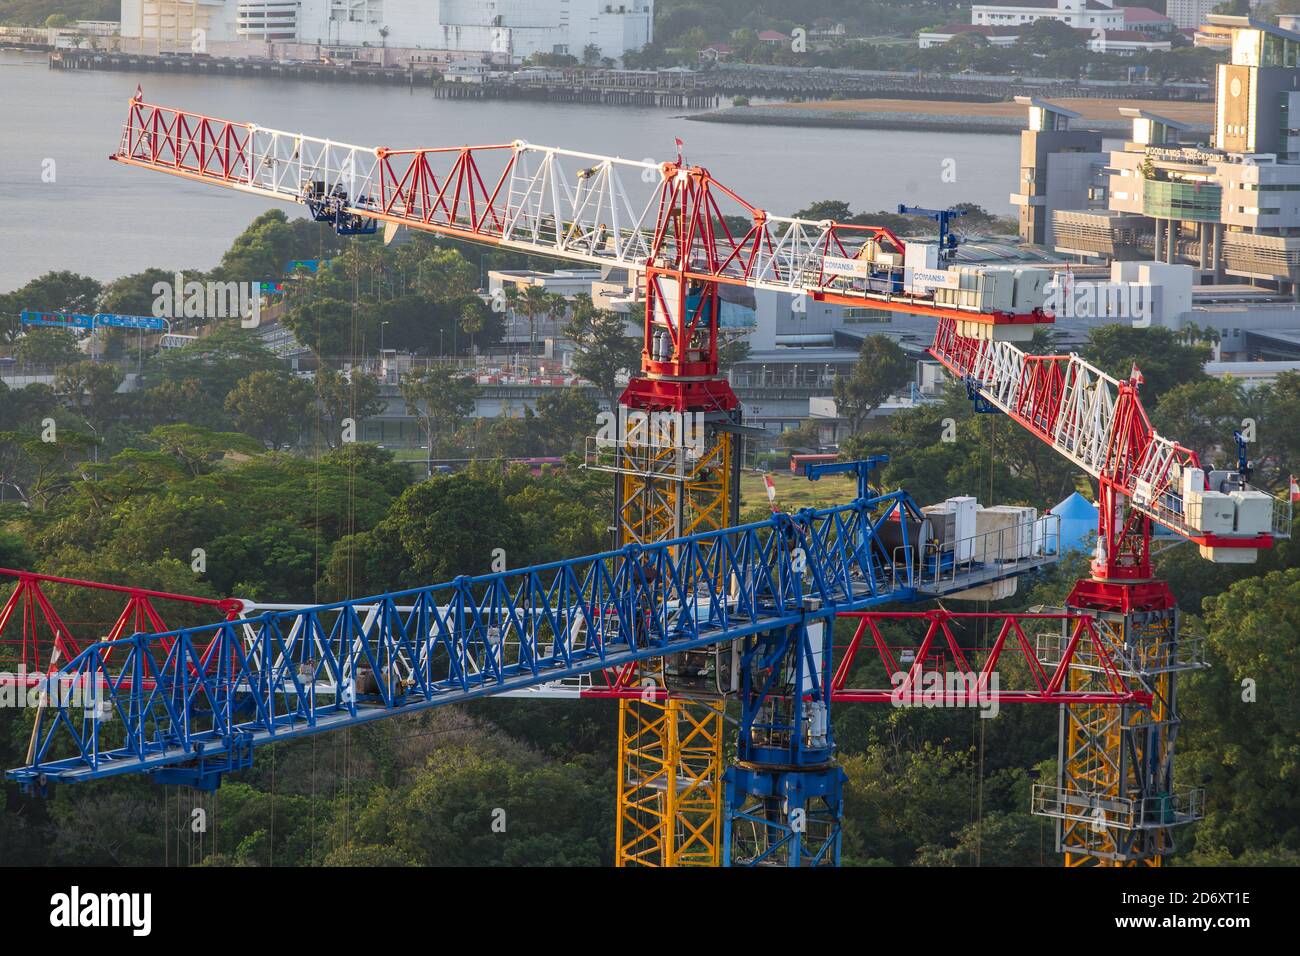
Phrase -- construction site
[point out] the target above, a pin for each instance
(727, 646)
(523, 506)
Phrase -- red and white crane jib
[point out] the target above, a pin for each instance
(581, 207)
(1098, 422)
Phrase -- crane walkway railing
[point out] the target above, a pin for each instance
(567, 204)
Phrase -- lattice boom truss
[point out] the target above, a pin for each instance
(206, 696)
(941, 647)
(1095, 421)
(572, 205)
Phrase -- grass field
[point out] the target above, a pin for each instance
(793, 493)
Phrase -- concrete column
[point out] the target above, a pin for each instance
(1156, 250)
(1171, 242)
(1203, 231)
(1216, 251)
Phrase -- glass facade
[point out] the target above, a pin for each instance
(1194, 202)
(1263, 48)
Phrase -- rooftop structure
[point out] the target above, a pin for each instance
(1230, 208)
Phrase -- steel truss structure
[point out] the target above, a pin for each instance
(198, 706)
(941, 652)
(1114, 802)
(1098, 423)
(674, 227)
(188, 705)
(669, 800)
(34, 636)
(583, 207)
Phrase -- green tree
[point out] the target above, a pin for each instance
(473, 319)
(1241, 735)
(1277, 406)
(354, 395)
(1163, 358)
(733, 347)
(882, 368)
(134, 294)
(603, 350)
(23, 406)
(50, 348)
(445, 818)
(271, 406)
(439, 398)
(444, 527)
(261, 251)
(204, 372)
(533, 301)
(61, 291)
(1202, 415)
(566, 417)
(331, 328)
(90, 388)
(196, 450)
(39, 470)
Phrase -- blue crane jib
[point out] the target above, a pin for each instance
(189, 705)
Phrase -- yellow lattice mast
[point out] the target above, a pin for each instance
(1113, 801)
(670, 788)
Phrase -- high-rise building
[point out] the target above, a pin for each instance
(1189, 14)
(1060, 168)
(1229, 208)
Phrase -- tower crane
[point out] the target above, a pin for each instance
(683, 578)
(667, 224)
(944, 217)
(1114, 800)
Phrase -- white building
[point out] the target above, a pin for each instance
(1189, 14)
(510, 28)
(1120, 30)
(1081, 14)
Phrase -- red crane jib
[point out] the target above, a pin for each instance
(675, 224)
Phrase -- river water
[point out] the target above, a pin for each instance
(106, 220)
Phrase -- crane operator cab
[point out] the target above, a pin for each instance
(331, 205)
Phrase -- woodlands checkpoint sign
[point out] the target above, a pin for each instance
(100, 320)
